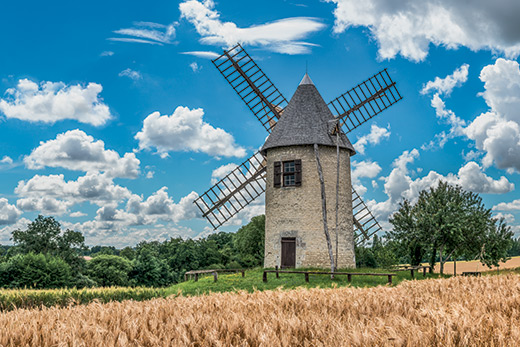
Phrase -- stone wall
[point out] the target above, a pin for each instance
(297, 211)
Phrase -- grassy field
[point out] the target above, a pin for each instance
(458, 311)
(253, 281)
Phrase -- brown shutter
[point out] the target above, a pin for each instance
(298, 172)
(277, 174)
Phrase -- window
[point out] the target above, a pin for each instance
(288, 173)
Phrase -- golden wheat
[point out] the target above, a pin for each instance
(458, 311)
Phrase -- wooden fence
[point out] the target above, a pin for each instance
(214, 272)
(307, 273)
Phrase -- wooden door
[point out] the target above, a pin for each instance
(288, 252)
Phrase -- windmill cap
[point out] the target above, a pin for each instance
(306, 80)
(306, 120)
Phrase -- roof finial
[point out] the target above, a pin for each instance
(306, 66)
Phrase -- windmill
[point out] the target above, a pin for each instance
(291, 236)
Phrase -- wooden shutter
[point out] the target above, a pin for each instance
(298, 172)
(277, 174)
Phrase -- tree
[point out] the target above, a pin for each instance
(249, 242)
(109, 270)
(35, 271)
(446, 222)
(44, 236)
(497, 243)
(149, 270)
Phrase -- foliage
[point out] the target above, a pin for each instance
(109, 270)
(35, 271)
(380, 255)
(448, 222)
(249, 241)
(44, 236)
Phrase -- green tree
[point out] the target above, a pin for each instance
(109, 270)
(44, 236)
(35, 271)
(249, 242)
(446, 222)
(150, 271)
(497, 242)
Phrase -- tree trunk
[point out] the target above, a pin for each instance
(324, 208)
(441, 260)
(432, 258)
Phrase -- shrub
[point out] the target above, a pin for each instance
(109, 270)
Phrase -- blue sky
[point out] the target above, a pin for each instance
(113, 118)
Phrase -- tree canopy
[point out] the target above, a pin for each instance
(449, 222)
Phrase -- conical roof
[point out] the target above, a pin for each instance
(305, 121)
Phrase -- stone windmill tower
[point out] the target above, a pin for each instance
(304, 167)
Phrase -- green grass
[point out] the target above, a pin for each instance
(253, 281)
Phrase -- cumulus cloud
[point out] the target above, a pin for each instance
(49, 102)
(6, 160)
(497, 131)
(53, 195)
(376, 135)
(77, 151)
(134, 75)
(508, 206)
(185, 131)
(408, 27)
(6, 231)
(282, 36)
(444, 86)
(147, 32)
(399, 183)
(221, 172)
(8, 213)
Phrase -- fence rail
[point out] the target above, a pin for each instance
(214, 272)
(307, 273)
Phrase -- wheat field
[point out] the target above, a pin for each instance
(441, 312)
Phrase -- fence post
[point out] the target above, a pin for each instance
(349, 277)
(389, 279)
(185, 277)
(424, 271)
(412, 272)
(306, 277)
(196, 277)
(276, 267)
(265, 277)
(243, 273)
(215, 276)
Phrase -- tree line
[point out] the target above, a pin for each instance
(44, 256)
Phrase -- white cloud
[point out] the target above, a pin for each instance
(282, 36)
(8, 213)
(50, 102)
(77, 214)
(408, 27)
(365, 168)
(444, 86)
(147, 32)
(150, 174)
(107, 54)
(376, 135)
(6, 231)
(6, 160)
(185, 130)
(202, 54)
(508, 206)
(75, 150)
(195, 67)
(497, 132)
(53, 195)
(399, 184)
(221, 172)
(134, 75)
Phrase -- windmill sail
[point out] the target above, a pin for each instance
(365, 224)
(235, 191)
(252, 85)
(365, 100)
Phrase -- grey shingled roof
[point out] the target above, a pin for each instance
(305, 121)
